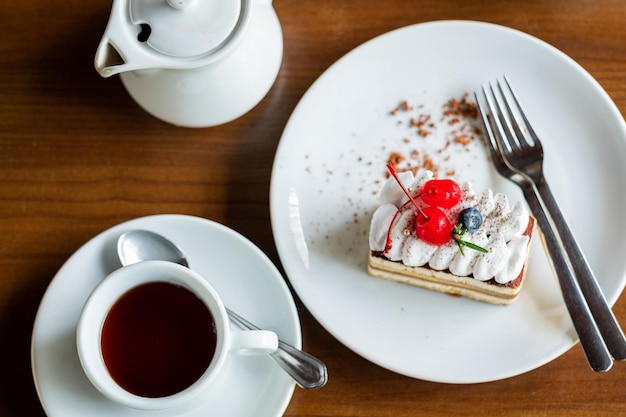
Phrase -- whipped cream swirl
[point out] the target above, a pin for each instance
(501, 233)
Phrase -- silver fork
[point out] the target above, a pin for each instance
(504, 134)
(525, 154)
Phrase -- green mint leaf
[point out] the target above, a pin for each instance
(475, 247)
(457, 234)
(460, 244)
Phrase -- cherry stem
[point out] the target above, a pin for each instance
(388, 242)
(393, 173)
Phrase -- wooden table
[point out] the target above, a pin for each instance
(78, 156)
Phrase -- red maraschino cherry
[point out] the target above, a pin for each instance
(431, 223)
(433, 226)
(444, 193)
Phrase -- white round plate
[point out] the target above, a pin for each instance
(331, 161)
(247, 282)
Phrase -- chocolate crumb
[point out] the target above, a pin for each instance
(395, 158)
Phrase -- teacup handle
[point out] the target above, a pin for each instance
(253, 342)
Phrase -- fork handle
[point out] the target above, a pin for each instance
(607, 323)
(586, 327)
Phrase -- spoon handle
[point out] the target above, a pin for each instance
(308, 371)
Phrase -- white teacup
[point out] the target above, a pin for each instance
(154, 335)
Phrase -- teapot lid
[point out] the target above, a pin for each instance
(186, 28)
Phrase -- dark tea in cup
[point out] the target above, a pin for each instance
(158, 339)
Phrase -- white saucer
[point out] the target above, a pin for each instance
(245, 278)
(330, 164)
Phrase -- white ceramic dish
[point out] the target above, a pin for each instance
(247, 282)
(331, 160)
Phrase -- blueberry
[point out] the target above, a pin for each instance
(471, 219)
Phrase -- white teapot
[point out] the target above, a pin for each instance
(194, 63)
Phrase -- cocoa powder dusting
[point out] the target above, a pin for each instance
(457, 112)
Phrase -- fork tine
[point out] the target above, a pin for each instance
(490, 139)
(489, 135)
(495, 121)
(497, 158)
(522, 113)
(508, 134)
(513, 123)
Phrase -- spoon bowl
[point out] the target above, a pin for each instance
(143, 245)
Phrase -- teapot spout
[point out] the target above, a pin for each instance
(108, 60)
(121, 49)
(116, 51)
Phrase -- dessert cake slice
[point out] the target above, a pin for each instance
(440, 235)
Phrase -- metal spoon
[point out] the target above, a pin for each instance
(142, 245)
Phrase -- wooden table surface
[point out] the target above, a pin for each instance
(78, 156)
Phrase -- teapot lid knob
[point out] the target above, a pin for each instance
(186, 28)
(180, 4)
